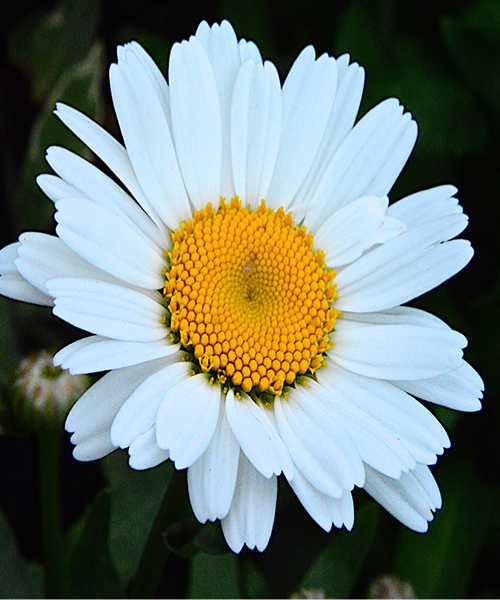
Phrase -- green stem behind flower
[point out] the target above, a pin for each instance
(50, 508)
(155, 554)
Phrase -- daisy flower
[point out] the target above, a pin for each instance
(242, 276)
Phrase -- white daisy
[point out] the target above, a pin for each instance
(243, 285)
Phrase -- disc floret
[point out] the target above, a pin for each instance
(248, 296)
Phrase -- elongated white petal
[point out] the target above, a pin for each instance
(406, 499)
(91, 417)
(308, 95)
(107, 309)
(54, 187)
(319, 448)
(379, 446)
(42, 257)
(380, 143)
(460, 389)
(257, 436)
(196, 121)
(94, 447)
(144, 452)
(404, 267)
(350, 231)
(97, 353)
(323, 509)
(249, 50)
(396, 351)
(89, 182)
(106, 240)
(255, 129)
(13, 284)
(399, 315)
(251, 517)
(412, 424)
(221, 47)
(345, 107)
(156, 77)
(426, 206)
(138, 412)
(111, 152)
(187, 419)
(142, 116)
(212, 478)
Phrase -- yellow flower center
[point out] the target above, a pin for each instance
(248, 296)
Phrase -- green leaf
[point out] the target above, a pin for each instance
(47, 45)
(16, 579)
(253, 581)
(214, 576)
(135, 499)
(9, 346)
(91, 571)
(439, 564)
(408, 69)
(79, 86)
(473, 41)
(336, 569)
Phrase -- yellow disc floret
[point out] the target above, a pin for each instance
(248, 296)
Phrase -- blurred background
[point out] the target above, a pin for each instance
(442, 60)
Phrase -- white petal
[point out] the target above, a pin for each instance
(396, 351)
(406, 499)
(96, 353)
(426, 206)
(414, 426)
(106, 240)
(157, 78)
(320, 449)
(144, 452)
(196, 121)
(249, 50)
(460, 389)
(372, 147)
(13, 284)
(251, 517)
(257, 436)
(187, 419)
(221, 47)
(345, 108)
(88, 181)
(107, 309)
(93, 447)
(138, 412)
(255, 129)
(54, 187)
(308, 95)
(378, 446)
(404, 267)
(323, 509)
(111, 152)
(42, 257)
(142, 116)
(212, 478)
(399, 315)
(350, 231)
(92, 415)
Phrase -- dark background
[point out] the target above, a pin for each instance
(442, 60)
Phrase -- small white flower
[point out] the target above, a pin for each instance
(244, 285)
(41, 394)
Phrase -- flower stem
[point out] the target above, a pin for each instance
(155, 553)
(50, 507)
